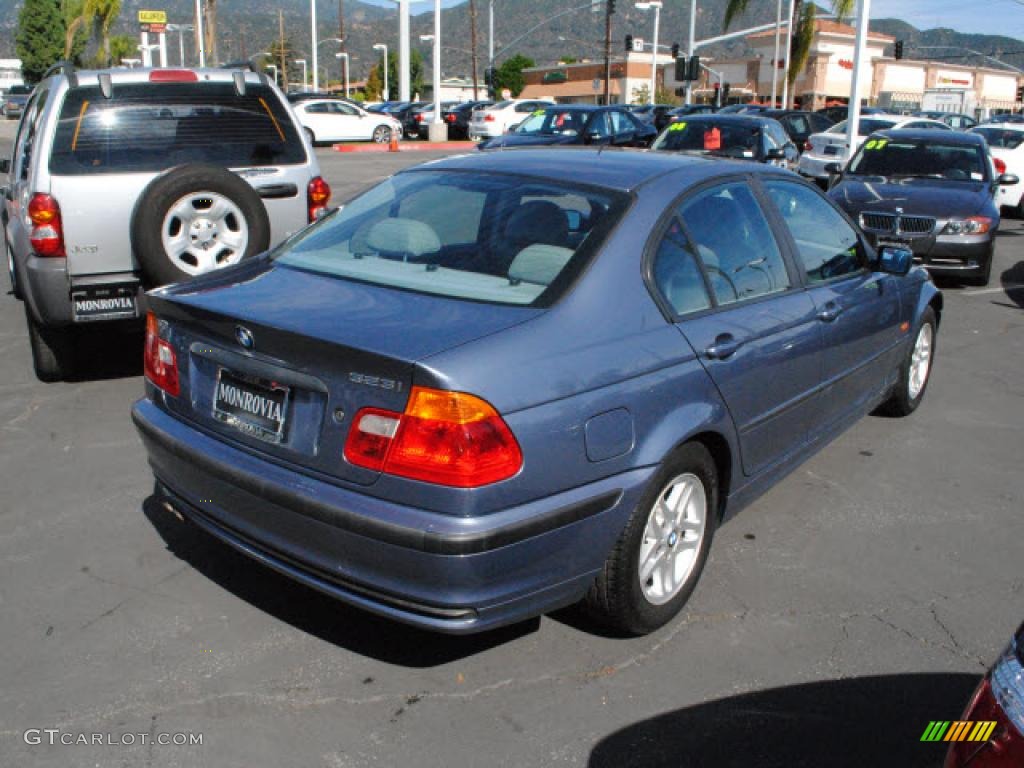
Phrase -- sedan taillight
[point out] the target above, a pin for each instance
(447, 438)
(160, 362)
(47, 235)
(488, 118)
(808, 147)
(1000, 165)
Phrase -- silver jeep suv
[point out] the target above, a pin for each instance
(123, 180)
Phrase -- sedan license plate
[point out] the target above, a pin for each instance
(253, 406)
(831, 149)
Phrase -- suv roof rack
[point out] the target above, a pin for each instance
(65, 67)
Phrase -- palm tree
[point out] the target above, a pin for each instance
(804, 14)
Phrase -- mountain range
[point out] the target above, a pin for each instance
(248, 27)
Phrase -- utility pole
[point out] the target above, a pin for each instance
(280, 50)
(609, 9)
(775, 60)
(691, 45)
(472, 42)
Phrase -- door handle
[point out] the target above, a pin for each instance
(725, 346)
(830, 312)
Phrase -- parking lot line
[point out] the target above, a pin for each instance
(998, 289)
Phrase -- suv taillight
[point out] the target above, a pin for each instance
(318, 194)
(447, 438)
(418, 117)
(160, 362)
(173, 76)
(450, 118)
(1000, 165)
(47, 236)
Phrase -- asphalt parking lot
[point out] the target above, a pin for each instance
(857, 601)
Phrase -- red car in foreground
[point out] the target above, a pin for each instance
(999, 698)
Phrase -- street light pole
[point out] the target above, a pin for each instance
(656, 5)
(438, 130)
(382, 47)
(775, 59)
(789, 54)
(312, 26)
(181, 29)
(344, 56)
(853, 111)
(199, 33)
(691, 45)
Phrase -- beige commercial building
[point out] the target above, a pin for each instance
(825, 80)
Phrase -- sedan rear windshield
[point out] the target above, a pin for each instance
(150, 127)
(920, 159)
(712, 137)
(864, 127)
(1001, 137)
(481, 237)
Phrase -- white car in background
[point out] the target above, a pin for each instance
(499, 118)
(822, 149)
(1006, 142)
(326, 120)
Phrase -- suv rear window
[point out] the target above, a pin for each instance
(150, 127)
(466, 235)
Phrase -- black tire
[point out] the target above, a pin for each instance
(900, 402)
(381, 135)
(311, 136)
(52, 350)
(616, 598)
(170, 187)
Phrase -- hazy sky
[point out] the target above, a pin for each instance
(985, 16)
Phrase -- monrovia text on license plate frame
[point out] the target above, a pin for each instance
(253, 406)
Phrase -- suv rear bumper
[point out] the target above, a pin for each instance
(436, 571)
(48, 291)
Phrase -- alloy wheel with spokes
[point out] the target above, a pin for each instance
(920, 361)
(382, 134)
(672, 538)
(203, 231)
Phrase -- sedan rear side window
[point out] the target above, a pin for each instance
(735, 243)
(677, 275)
(476, 236)
(147, 127)
(825, 242)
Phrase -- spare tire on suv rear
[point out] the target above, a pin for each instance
(193, 219)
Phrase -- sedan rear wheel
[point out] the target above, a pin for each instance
(657, 561)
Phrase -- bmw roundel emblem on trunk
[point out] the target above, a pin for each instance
(244, 337)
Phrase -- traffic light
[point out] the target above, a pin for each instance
(681, 69)
(725, 94)
(693, 69)
(675, 51)
(899, 50)
(489, 76)
(629, 43)
(611, 7)
(1020, 93)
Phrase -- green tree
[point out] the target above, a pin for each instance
(78, 16)
(510, 74)
(39, 40)
(122, 47)
(375, 79)
(107, 13)
(804, 14)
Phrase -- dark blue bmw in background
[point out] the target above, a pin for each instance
(498, 384)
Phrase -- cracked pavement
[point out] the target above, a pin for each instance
(868, 590)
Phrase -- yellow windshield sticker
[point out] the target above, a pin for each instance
(538, 113)
(677, 127)
(876, 144)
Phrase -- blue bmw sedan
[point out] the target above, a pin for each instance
(501, 383)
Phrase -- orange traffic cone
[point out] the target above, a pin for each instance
(393, 146)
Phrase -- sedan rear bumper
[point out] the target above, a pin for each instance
(437, 571)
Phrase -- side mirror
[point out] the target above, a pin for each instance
(1008, 180)
(775, 153)
(894, 260)
(833, 169)
(5, 165)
